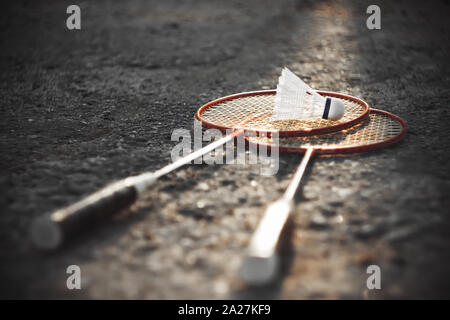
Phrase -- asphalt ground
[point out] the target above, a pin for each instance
(79, 109)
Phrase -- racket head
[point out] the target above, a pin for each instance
(251, 111)
(380, 129)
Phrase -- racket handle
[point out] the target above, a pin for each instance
(261, 263)
(50, 231)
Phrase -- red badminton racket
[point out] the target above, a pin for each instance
(250, 111)
(379, 130)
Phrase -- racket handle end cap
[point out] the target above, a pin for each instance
(258, 271)
(45, 233)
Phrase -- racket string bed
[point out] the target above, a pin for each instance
(253, 111)
(377, 128)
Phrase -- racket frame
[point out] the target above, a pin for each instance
(285, 133)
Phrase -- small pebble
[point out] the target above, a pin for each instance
(203, 186)
(318, 221)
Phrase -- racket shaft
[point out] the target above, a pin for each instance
(197, 154)
(266, 237)
(261, 262)
(295, 182)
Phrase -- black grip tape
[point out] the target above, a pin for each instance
(94, 209)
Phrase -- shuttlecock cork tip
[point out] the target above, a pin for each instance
(334, 109)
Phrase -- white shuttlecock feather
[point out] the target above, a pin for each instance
(295, 100)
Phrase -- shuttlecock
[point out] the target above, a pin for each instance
(295, 100)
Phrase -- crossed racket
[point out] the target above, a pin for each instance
(359, 130)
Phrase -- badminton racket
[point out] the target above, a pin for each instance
(380, 129)
(249, 111)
